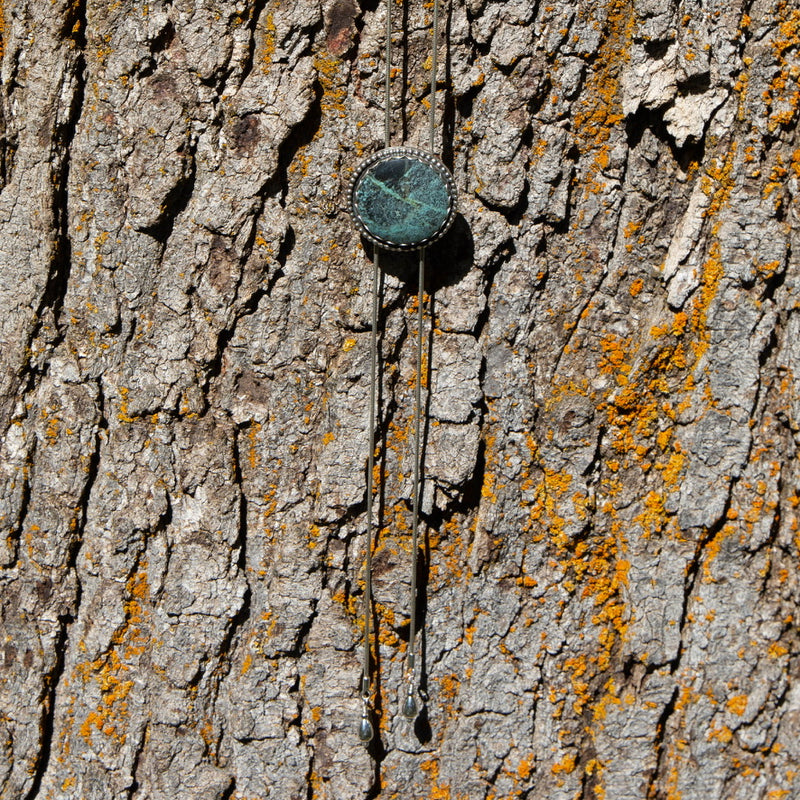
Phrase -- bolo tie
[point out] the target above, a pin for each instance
(402, 198)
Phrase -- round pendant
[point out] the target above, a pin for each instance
(402, 198)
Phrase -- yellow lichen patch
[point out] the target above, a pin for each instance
(711, 275)
(777, 176)
(112, 709)
(631, 228)
(599, 112)
(712, 550)
(252, 450)
(565, 766)
(641, 419)
(673, 468)
(600, 569)
(737, 704)
(449, 686)
(635, 411)
(615, 357)
(207, 735)
(113, 671)
(386, 628)
(596, 568)
(776, 650)
(795, 165)
(487, 488)
(247, 663)
(270, 31)
(723, 734)
(562, 389)
(450, 549)
(610, 698)
(782, 98)
(300, 165)
(123, 415)
(544, 508)
(262, 635)
(270, 504)
(577, 666)
(437, 791)
(653, 518)
(525, 766)
(331, 72)
(672, 780)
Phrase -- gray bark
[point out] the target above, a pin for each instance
(609, 574)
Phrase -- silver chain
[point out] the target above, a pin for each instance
(410, 704)
(434, 65)
(409, 707)
(365, 731)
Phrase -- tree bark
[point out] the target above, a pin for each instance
(609, 577)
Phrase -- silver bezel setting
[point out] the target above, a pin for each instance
(408, 152)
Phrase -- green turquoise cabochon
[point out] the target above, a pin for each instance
(402, 198)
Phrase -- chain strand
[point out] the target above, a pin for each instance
(365, 730)
(410, 705)
(387, 89)
(434, 65)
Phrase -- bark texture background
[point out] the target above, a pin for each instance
(609, 576)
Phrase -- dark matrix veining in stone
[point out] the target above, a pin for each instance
(402, 200)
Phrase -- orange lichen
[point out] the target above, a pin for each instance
(600, 112)
(252, 451)
(615, 357)
(672, 780)
(247, 663)
(109, 670)
(437, 791)
(723, 734)
(546, 500)
(331, 72)
(610, 697)
(712, 272)
(565, 766)
(123, 415)
(525, 766)
(737, 704)
(270, 30)
(712, 551)
(653, 518)
(782, 98)
(449, 686)
(776, 650)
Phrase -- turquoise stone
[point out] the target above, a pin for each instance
(402, 200)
